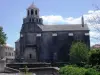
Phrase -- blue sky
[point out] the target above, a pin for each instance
(12, 12)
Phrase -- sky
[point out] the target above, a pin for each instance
(12, 13)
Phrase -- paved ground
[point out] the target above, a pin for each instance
(9, 74)
(14, 74)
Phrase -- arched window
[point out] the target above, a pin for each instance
(35, 12)
(32, 12)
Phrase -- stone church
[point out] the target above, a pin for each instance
(47, 43)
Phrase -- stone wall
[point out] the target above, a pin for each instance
(2, 65)
(56, 48)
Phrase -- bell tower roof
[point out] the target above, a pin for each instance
(32, 6)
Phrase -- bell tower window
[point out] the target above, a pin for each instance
(35, 12)
(28, 12)
(32, 12)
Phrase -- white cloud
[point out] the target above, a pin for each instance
(92, 18)
(94, 34)
(57, 19)
(51, 19)
(72, 20)
(90, 11)
(89, 17)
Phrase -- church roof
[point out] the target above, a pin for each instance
(67, 27)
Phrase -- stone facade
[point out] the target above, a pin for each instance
(47, 43)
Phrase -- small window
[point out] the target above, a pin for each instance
(54, 34)
(70, 34)
(39, 34)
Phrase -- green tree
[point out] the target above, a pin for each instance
(94, 57)
(78, 53)
(2, 36)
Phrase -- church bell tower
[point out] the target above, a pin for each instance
(33, 15)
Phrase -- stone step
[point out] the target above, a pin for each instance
(29, 65)
(11, 70)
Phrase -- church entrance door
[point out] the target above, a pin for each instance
(30, 54)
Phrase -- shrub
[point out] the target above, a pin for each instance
(91, 71)
(74, 70)
(96, 67)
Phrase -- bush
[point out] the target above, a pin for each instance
(91, 72)
(96, 67)
(74, 70)
(88, 66)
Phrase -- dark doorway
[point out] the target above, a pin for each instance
(30, 56)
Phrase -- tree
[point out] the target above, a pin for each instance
(94, 57)
(93, 21)
(2, 36)
(78, 53)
